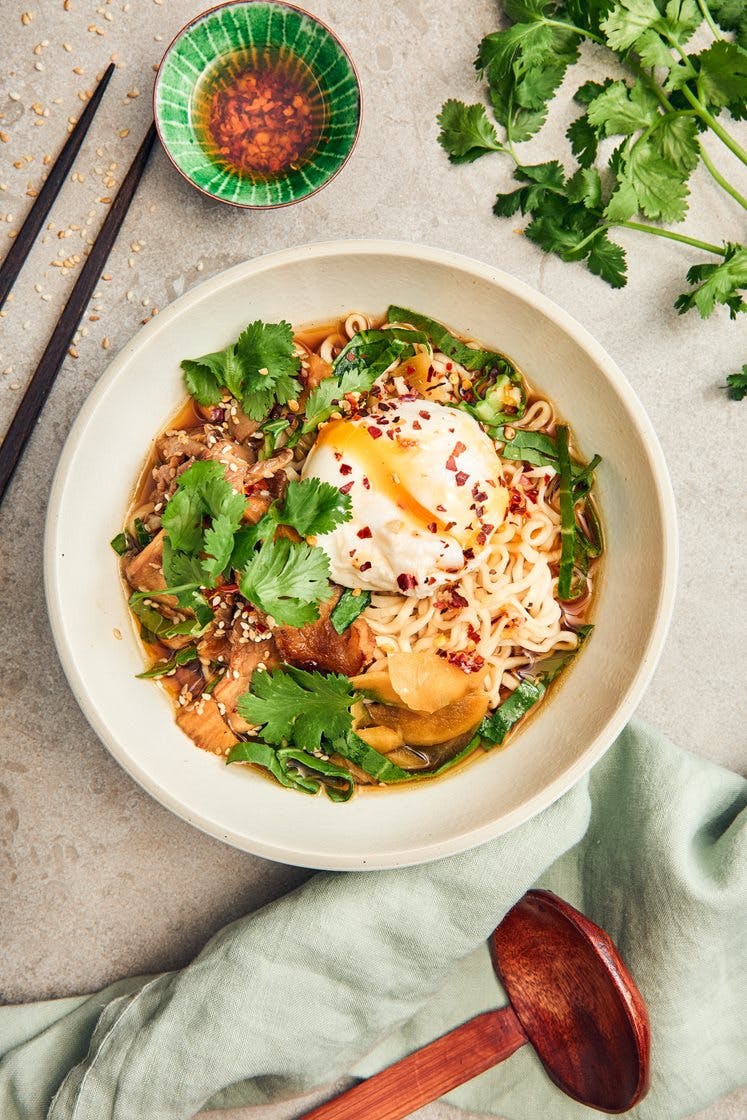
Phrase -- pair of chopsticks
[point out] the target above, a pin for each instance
(41, 382)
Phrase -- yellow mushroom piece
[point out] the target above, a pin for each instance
(426, 729)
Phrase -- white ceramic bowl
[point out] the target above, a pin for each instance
(140, 392)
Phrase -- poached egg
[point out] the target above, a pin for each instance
(427, 495)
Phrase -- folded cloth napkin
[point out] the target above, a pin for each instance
(651, 846)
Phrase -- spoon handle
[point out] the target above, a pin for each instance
(427, 1074)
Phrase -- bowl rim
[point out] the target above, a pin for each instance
(431, 849)
(156, 117)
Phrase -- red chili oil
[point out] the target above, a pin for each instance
(259, 113)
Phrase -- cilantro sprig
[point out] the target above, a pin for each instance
(205, 541)
(302, 718)
(655, 116)
(365, 357)
(293, 705)
(259, 369)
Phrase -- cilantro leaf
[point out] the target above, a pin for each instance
(732, 16)
(722, 77)
(182, 519)
(218, 544)
(287, 580)
(266, 355)
(466, 133)
(658, 186)
(621, 109)
(313, 508)
(584, 140)
(294, 706)
(202, 491)
(259, 369)
(204, 377)
(717, 283)
(607, 260)
(180, 569)
(676, 141)
(627, 20)
(737, 384)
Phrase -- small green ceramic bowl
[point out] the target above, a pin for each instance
(254, 37)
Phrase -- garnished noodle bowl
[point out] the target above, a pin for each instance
(362, 551)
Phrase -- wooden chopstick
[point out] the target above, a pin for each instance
(19, 250)
(41, 382)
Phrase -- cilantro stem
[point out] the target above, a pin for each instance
(563, 26)
(705, 11)
(721, 180)
(658, 232)
(714, 125)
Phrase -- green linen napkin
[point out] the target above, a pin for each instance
(651, 846)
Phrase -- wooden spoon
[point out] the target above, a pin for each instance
(570, 996)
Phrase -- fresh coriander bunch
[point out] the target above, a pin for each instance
(656, 115)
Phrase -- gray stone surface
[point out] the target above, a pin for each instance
(97, 880)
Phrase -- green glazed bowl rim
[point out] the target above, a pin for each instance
(242, 4)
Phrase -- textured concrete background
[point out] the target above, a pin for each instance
(97, 881)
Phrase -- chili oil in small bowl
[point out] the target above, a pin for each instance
(257, 103)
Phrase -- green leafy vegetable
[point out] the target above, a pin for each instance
(737, 384)
(567, 519)
(271, 432)
(312, 507)
(142, 536)
(365, 357)
(196, 554)
(292, 705)
(259, 369)
(375, 764)
(466, 132)
(668, 96)
(163, 668)
(120, 544)
(497, 393)
(297, 769)
(158, 625)
(349, 606)
(287, 580)
(717, 283)
(550, 667)
(496, 726)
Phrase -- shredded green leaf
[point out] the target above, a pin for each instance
(375, 764)
(349, 606)
(297, 769)
(120, 544)
(567, 518)
(163, 668)
(497, 395)
(496, 726)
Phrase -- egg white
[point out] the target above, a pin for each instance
(427, 495)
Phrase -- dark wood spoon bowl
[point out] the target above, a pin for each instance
(571, 997)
